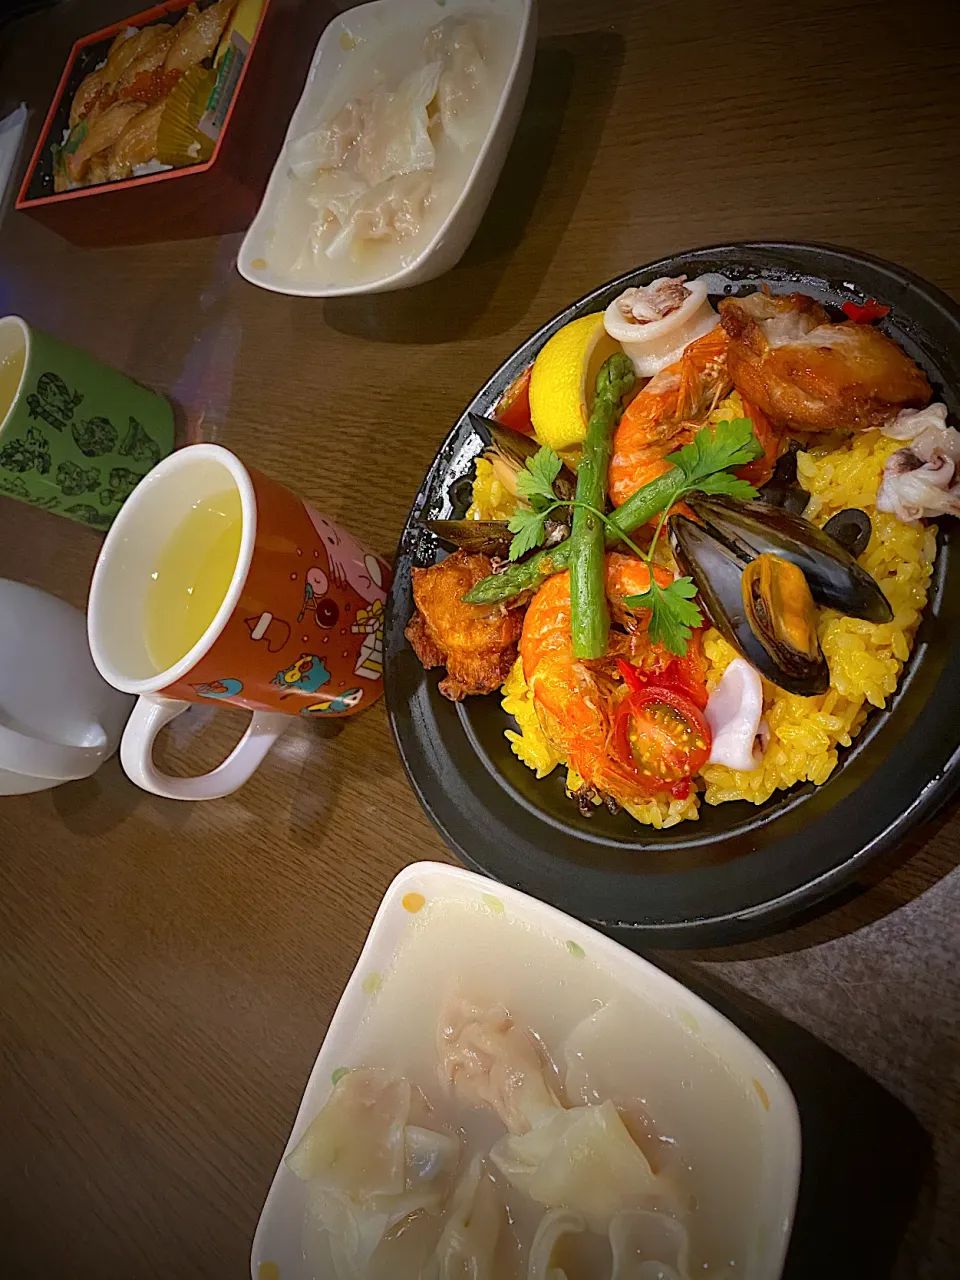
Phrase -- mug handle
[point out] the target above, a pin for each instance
(152, 713)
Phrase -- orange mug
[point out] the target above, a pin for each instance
(218, 584)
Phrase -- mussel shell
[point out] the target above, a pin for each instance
(851, 528)
(518, 448)
(718, 572)
(783, 489)
(489, 537)
(835, 578)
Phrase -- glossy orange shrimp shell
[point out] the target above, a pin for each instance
(576, 701)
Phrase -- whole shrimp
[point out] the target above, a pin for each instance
(576, 701)
(667, 414)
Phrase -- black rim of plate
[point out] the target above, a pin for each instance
(741, 870)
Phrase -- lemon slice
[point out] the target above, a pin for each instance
(563, 380)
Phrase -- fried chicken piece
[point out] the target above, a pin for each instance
(196, 35)
(102, 133)
(137, 144)
(809, 374)
(476, 643)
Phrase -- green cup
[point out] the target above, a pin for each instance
(76, 436)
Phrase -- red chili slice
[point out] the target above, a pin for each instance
(661, 738)
(866, 312)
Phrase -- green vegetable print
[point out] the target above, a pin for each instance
(53, 401)
(94, 437)
(139, 445)
(90, 515)
(122, 483)
(30, 453)
(74, 480)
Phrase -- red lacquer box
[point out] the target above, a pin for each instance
(219, 196)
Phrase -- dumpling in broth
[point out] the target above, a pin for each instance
(583, 1159)
(464, 89)
(394, 139)
(356, 1143)
(392, 211)
(468, 1245)
(327, 146)
(368, 1169)
(649, 1246)
(491, 1062)
(553, 1227)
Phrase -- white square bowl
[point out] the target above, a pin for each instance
(277, 1250)
(369, 22)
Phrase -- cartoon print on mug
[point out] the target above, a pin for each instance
(306, 675)
(325, 610)
(274, 632)
(228, 688)
(369, 624)
(335, 705)
(349, 563)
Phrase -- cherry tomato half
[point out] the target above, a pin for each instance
(513, 407)
(686, 676)
(661, 737)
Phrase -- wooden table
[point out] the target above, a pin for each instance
(168, 970)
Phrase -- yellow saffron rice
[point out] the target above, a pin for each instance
(865, 659)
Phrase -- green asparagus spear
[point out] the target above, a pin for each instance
(531, 574)
(589, 615)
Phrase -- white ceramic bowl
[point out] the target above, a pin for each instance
(444, 250)
(277, 1244)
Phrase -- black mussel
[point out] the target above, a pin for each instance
(782, 615)
(783, 489)
(834, 577)
(762, 612)
(851, 528)
(460, 495)
(489, 537)
(512, 449)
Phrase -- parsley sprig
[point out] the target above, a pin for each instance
(704, 465)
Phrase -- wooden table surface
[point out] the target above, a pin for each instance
(167, 970)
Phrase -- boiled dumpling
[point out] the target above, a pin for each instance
(368, 1169)
(468, 1244)
(350, 1232)
(553, 1227)
(327, 146)
(392, 211)
(333, 195)
(492, 1062)
(649, 1246)
(582, 1159)
(356, 1143)
(464, 87)
(394, 138)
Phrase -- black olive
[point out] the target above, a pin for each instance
(782, 489)
(851, 528)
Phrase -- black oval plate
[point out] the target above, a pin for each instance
(742, 869)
